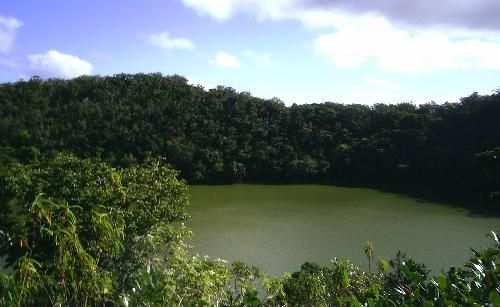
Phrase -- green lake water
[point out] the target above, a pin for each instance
(279, 227)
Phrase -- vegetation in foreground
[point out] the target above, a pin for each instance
(82, 233)
(222, 136)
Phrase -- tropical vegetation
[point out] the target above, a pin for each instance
(222, 136)
(79, 232)
(93, 190)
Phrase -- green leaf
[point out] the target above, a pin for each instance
(356, 304)
(494, 298)
(345, 278)
(443, 283)
(44, 229)
(428, 304)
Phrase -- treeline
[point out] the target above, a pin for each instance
(222, 136)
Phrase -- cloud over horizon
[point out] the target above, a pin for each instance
(225, 60)
(57, 64)
(8, 28)
(406, 37)
(165, 41)
(375, 40)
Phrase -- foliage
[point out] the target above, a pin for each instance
(79, 232)
(173, 277)
(82, 233)
(220, 135)
(71, 276)
(406, 284)
(405, 280)
(383, 265)
(75, 219)
(477, 284)
(369, 251)
(342, 284)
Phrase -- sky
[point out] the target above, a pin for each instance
(301, 51)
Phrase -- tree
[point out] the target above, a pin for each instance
(383, 265)
(72, 218)
(124, 119)
(82, 233)
(369, 251)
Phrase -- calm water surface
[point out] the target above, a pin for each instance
(279, 227)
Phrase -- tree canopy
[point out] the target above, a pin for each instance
(92, 203)
(221, 135)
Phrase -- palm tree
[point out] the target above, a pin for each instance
(369, 251)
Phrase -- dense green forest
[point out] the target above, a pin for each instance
(79, 232)
(222, 136)
(93, 191)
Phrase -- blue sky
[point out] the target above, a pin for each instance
(348, 51)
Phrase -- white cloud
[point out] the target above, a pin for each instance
(57, 64)
(261, 60)
(309, 13)
(225, 9)
(373, 39)
(479, 14)
(218, 9)
(341, 50)
(167, 42)
(225, 60)
(8, 28)
(387, 35)
(320, 19)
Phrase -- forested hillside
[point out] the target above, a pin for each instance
(108, 229)
(220, 135)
